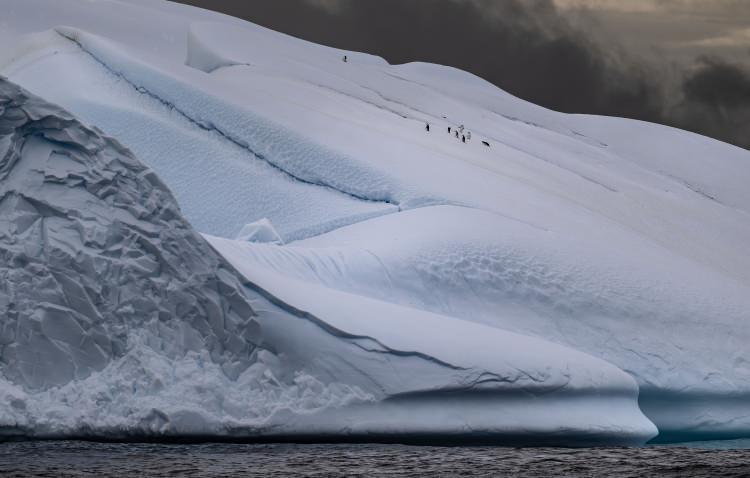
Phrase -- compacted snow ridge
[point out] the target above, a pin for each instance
(555, 279)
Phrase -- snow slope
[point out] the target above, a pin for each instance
(623, 240)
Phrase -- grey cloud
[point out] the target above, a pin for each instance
(716, 102)
(718, 84)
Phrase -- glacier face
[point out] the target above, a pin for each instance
(121, 321)
(623, 240)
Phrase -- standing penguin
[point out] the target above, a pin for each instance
(463, 138)
(427, 127)
(346, 59)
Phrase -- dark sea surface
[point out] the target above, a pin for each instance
(84, 459)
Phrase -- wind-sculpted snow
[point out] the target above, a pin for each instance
(438, 377)
(281, 148)
(501, 272)
(221, 148)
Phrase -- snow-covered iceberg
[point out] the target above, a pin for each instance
(406, 274)
(121, 321)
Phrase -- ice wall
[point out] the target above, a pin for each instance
(93, 245)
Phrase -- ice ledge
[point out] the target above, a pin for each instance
(482, 382)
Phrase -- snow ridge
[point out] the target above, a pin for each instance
(376, 191)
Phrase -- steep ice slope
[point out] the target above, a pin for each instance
(119, 320)
(94, 253)
(623, 239)
(93, 244)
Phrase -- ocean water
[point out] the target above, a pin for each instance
(84, 459)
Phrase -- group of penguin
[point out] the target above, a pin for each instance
(459, 133)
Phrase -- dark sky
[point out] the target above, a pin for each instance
(684, 63)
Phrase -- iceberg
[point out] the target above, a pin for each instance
(112, 301)
(348, 275)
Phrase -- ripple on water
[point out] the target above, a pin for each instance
(79, 459)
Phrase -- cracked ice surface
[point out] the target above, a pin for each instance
(90, 244)
(117, 317)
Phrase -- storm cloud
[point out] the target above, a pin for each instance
(716, 102)
(556, 53)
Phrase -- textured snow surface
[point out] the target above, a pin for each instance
(576, 236)
(93, 243)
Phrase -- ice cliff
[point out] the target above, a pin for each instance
(93, 245)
